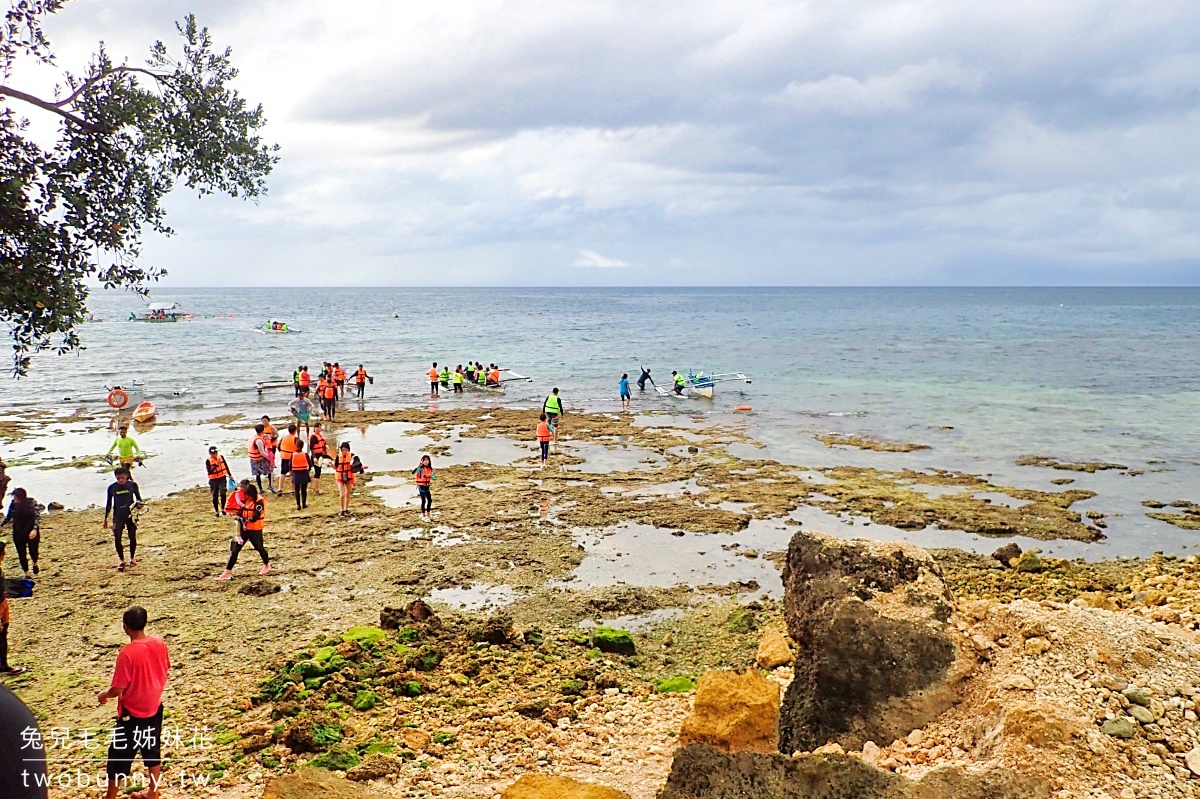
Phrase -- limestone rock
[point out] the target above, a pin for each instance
(414, 739)
(498, 629)
(315, 783)
(1192, 759)
(876, 657)
(734, 710)
(259, 587)
(543, 786)
(1120, 727)
(701, 772)
(1007, 553)
(375, 766)
(773, 651)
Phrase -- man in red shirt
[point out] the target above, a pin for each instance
(137, 685)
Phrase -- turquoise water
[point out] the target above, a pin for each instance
(1107, 374)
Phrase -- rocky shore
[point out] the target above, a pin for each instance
(879, 669)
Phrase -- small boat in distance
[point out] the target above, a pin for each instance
(275, 326)
(161, 312)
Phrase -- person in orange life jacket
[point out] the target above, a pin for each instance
(321, 396)
(272, 440)
(344, 466)
(260, 458)
(423, 475)
(494, 376)
(545, 432)
(300, 476)
(288, 445)
(218, 477)
(328, 396)
(305, 378)
(339, 375)
(233, 507)
(318, 450)
(434, 381)
(253, 516)
(360, 380)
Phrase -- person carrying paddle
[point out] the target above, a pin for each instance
(554, 408)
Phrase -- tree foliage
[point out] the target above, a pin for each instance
(74, 211)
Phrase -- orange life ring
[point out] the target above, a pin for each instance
(117, 398)
(742, 408)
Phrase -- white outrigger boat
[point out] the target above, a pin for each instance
(506, 376)
(703, 385)
(161, 312)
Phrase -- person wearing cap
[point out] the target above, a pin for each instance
(218, 478)
(127, 449)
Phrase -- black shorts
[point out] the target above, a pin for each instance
(341, 384)
(133, 736)
(551, 418)
(285, 466)
(122, 522)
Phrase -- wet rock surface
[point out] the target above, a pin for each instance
(701, 772)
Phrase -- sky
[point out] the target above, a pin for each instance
(712, 142)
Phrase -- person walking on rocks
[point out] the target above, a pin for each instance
(25, 518)
(544, 433)
(423, 476)
(123, 495)
(137, 684)
(253, 517)
(343, 470)
(554, 408)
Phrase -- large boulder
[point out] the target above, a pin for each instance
(734, 710)
(701, 772)
(316, 783)
(545, 786)
(876, 658)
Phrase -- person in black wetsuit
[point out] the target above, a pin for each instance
(641, 381)
(23, 513)
(22, 751)
(122, 495)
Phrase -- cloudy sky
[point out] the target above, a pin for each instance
(706, 142)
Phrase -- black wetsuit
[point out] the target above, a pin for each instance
(22, 751)
(121, 499)
(641, 381)
(24, 519)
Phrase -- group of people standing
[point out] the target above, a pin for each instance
(330, 388)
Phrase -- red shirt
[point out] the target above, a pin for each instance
(141, 672)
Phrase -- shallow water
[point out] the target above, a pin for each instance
(1071, 373)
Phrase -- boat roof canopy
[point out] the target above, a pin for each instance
(162, 306)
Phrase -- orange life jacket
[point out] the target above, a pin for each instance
(494, 376)
(321, 386)
(360, 376)
(248, 512)
(288, 445)
(255, 453)
(342, 465)
(330, 390)
(299, 462)
(543, 432)
(269, 437)
(424, 475)
(339, 373)
(318, 445)
(216, 468)
(433, 375)
(234, 503)
(305, 379)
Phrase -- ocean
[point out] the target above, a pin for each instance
(983, 376)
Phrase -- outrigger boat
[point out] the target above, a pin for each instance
(506, 376)
(262, 385)
(703, 385)
(161, 312)
(275, 326)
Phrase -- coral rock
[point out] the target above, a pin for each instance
(542, 786)
(876, 657)
(773, 651)
(315, 783)
(734, 710)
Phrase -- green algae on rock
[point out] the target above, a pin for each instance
(868, 443)
(1091, 467)
(619, 642)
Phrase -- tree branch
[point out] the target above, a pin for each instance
(51, 107)
(90, 82)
